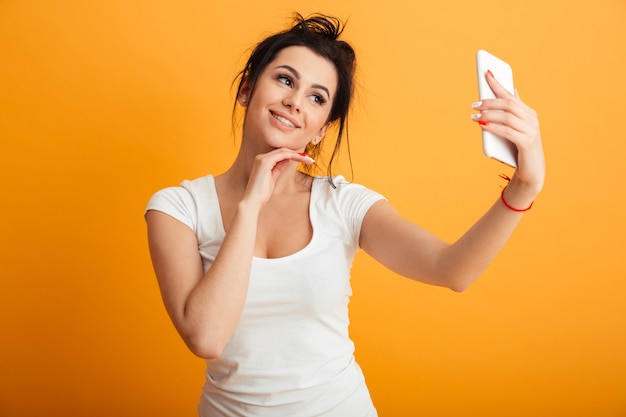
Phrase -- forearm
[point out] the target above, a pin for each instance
(464, 261)
(213, 308)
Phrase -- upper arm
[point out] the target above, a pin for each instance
(176, 261)
(400, 245)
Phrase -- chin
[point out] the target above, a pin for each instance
(277, 144)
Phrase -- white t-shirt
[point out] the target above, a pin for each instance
(290, 354)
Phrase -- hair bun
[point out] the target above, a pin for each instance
(329, 27)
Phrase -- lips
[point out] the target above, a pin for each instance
(284, 120)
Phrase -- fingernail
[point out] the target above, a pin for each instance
(489, 73)
(307, 156)
(482, 123)
(475, 116)
(477, 104)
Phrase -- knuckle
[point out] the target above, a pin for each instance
(508, 118)
(509, 133)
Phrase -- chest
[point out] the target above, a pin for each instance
(284, 225)
(312, 282)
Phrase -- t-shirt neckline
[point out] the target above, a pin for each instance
(312, 218)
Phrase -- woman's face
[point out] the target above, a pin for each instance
(292, 100)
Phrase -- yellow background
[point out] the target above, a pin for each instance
(104, 102)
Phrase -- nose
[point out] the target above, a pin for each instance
(293, 101)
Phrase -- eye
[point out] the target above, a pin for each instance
(285, 80)
(318, 99)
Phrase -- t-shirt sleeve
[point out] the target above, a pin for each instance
(355, 201)
(176, 202)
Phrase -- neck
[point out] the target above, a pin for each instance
(239, 173)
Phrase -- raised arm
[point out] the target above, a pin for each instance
(205, 308)
(415, 253)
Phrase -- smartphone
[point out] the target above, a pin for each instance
(495, 146)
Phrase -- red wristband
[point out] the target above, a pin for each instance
(513, 208)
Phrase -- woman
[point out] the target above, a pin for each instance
(254, 263)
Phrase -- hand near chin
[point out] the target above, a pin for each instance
(266, 170)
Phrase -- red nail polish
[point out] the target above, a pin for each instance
(306, 155)
(489, 73)
(482, 123)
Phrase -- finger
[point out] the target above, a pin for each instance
(522, 132)
(504, 131)
(510, 104)
(504, 119)
(307, 159)
(497, 88)
(278, 168)
(284, 156)
(272, 158)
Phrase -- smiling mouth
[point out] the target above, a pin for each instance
(284, 121)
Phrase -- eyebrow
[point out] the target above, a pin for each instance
(297, 75)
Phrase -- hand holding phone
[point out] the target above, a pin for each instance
(495, 146)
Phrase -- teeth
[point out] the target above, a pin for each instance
(283, 120)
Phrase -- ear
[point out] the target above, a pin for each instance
(320, 135)
(243, 96)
